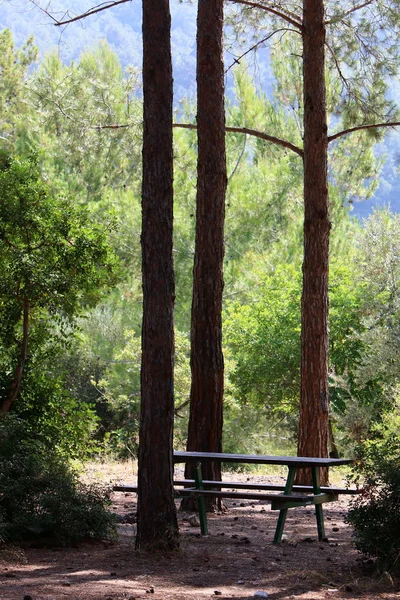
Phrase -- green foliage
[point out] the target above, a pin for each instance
(15, 111)
(379, 268)
(264, 339)
(56, 264)
(41, 497)
(120, 399)
(88, 123)
(63, 420)
(50, 252)
(375, 514)
(72, 112)
(372, 385)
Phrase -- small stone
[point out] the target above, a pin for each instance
(66, 583)
(217, 593)
(240, 582)
(194, 521)
(260, 594)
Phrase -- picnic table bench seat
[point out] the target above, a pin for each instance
(248, 485)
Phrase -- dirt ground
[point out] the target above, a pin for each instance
(237, 560)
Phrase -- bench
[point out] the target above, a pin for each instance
(292, 496)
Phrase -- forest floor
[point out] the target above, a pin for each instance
(236, 560)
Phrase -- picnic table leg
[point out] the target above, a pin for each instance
(201, 503)
(283, 512)
(318, 507)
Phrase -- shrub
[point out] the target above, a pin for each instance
(375, 515)
(41, 496)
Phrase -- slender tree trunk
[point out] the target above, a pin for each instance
(157, 522)
(313, 428)
(16, 382)
(207, 365)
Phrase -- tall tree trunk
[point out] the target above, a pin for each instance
(157, 522)
(207, 365)
(16, 382)
(313, 427)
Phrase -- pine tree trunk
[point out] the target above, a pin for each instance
(313, 427)
(207, 365)
(157, 522)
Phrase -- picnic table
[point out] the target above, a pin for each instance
(292, 495)
(281, 497)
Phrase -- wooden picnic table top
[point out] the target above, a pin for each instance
(290, 461)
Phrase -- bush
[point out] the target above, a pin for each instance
(41, 496)
(375, 515)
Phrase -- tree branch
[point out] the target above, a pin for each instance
(360, 128)
(92, 11)
(82, 123)
(254, 133)
(289, 17)
(178, 408)
(115, 126)
(239, 160)
(255, 46)
(337, 65)
(349, 12)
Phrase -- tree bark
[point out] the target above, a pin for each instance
(207, 365)
(16, 382)
(157, 521)
(313, 426)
